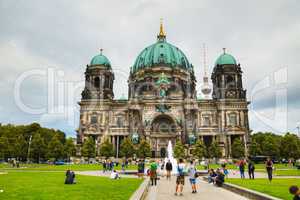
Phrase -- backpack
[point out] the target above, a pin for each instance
(153, 167)
(180, 171)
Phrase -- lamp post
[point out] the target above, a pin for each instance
(28, 153)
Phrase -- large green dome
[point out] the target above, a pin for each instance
(161, 52)
(225, 59)
(100, 59)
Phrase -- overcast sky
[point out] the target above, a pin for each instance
(61, 37)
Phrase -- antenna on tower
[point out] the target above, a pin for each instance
(206, 89)
(204, 60)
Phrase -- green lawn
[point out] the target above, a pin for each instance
(50, 185)
(277, 188)
(75, 167)
(291, 172)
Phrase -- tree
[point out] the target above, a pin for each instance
(290, 146)
(106, 149)
(127, 148)
(20, 148)
(143, 149)
(179, 151)
(199, 150)
(254, 149)
(88, 148)
(265, 144)
(270, 146)
(69, 148)
(55, 148)
(4, 148)
(37, 148)
(214, 151)
(238, 149)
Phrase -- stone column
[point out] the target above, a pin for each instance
(117, 150)
(113, 142)
(229, 146)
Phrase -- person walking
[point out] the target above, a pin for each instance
(269, 168)
(141, 168)
(104, 166)
(153, 173)
(251, 169)
(242, 168)
(180, 178)
(192, 176)
(169, 168)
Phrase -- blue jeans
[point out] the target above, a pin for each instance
(242, 172)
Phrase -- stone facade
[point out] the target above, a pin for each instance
(162, 106)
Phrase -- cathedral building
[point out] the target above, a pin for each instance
(162, 103)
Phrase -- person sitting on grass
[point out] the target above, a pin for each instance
(114, 175)
(294, 190)
(219, 180)
(70, 177)
(211, 176)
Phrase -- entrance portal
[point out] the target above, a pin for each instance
(163, 152)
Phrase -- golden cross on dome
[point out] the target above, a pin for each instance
(161, 29)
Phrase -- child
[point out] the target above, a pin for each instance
(294, 190)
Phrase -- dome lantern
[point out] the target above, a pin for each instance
(100, 59)
(225, 59)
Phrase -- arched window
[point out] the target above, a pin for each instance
(120, 121)
(206, 120)
(232, 119)
(93, 119)
(230, 82)
(97, 82)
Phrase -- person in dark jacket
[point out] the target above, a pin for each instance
(220, 178)
(169, 169)
(251, 169)
(141, 168)
(70, 177)
(269, 168)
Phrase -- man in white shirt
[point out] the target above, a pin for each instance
(114, 175)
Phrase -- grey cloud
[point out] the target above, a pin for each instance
(262, 35)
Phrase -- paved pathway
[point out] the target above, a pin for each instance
(100, 173)
(165, 191)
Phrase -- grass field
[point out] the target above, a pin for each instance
(50, 185)
(87, 167)
(292, 172)
(277, 188)
(75, 167)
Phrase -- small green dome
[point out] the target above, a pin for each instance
(225, 59)
(100, 59)
(161, 52)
